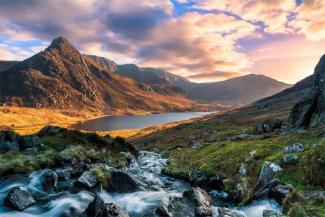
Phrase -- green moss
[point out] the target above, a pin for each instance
(103, 176)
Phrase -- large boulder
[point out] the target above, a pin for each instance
(19, 199)
(201, 200)
(268, 126)
(268, 171)
(121, 182)
(163, 211)
(97, 208)
(310, 111)
(87, 179)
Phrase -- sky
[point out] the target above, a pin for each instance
(203, 40)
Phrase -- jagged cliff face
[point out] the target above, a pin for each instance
(310, 111)
(60, 77)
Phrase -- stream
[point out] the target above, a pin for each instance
(157, 189)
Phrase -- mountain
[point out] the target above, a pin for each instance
(61, 77)
(290, 95)
(236, 91)
(4, 65)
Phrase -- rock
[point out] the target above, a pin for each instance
(240, 137)
(163, 211)
(242, 169)
(50, 130)
(268, 126)
(279, 192)
(296, 147)
(201, 200)
(19, 199)
(87, 179)
(29, 142)
(121, 182)
(129, 157)
(290, 159)
(199, 179)
(315, 194)
(196, 146)
(225, 212)
(50, 180)
(267, 173)
(270, 213)
(310, 110)
(31, 151)
(95, 207)
(8, 146)
(112, 210)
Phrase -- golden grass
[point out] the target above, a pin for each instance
(29, 120)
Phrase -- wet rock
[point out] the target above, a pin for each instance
(113, 210)
(163, 211)
(240, 137)
(270, 213)
(279, 192)
(225, 212)
(50, 180)
(87, 180)
(310, 110)
(129, 157)
(8, 146)
(201, 200)
(290, 159)
(267, 173)
(199, 179)
(29, 142)
(95, 207)
(296, 147)
(121, 182)
(19, 199)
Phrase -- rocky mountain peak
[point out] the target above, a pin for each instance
(59, 43)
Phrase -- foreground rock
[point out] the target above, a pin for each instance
(267, 173)
(97, 208)
(201, 200)
(87, 180)
(225, 212)
(50, 180)
(19, 199)
(268, 126)
(270, 213)
(310, 111)
(121, 182)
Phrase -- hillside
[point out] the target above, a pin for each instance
(60, 77)
(4, 65)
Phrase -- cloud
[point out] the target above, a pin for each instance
(212, 76)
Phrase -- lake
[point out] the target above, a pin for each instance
(109, 123)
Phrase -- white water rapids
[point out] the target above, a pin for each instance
(157, 190)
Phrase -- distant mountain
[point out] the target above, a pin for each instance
(290, 95)
(237, 91)
(4, 65)
(60, 77)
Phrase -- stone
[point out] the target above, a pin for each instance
(242, 169)
(199, 179)
(240, 137)
(113, 210)
(50, 180)
(196, 146)
(201, 200)
(268, 126)
(267, 173)
(270, 213)
(121, 182)
(163, 211)
(310, 110)
(290, 159)
(296, 147)
(8, 146)
(19, 199)
(226, 212)
(95, 207)
(87, 179)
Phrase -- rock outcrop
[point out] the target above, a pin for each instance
(310, 111)
(201, 200)
(19, 199)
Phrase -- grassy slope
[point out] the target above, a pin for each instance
(224, 158)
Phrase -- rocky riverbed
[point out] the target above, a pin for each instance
(137, 190)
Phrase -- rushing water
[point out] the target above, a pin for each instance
(156, 190)
(135, 122)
